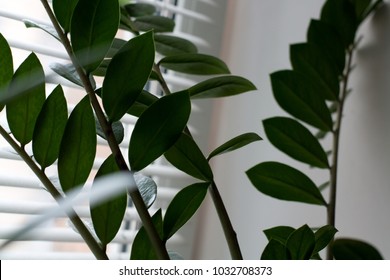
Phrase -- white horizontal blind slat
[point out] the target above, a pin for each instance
(178, 10)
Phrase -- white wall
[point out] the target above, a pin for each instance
(256, 43)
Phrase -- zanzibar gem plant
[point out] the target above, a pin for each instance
(313, 93)
(87, 29)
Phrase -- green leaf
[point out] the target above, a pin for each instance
(27, 95)
(147, 187)
(292, 138)
(117, 44)
(140, 9)
(107, 217)
(47, 28)
(186, 156)
(49, 128)
(94, 26)
(284, 182)
(323, 237)
(353, 249)
(300, 244)
(69, 72)
(274, 251)
(299, 96)
(158, 128)
(195, 63)
(142, 248)
(155, 23)
(144, 100)
(121, 91)
(63, 9)
(361, 6)
(328, 39)
(221, 87)
(117, 129)
(171, 45)
(78, 147)
(6, 68)
(341, 15)
(310, 60)
(280, 233)
(235, 143)
(183, 207)
(102, 68)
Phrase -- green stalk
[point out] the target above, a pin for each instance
(230, 234)
(228, 230)
(336, 143)
(75, 219)
(135, 195)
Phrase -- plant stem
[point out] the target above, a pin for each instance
(79, 225)
(136, 197)
(230, 234)
(336, 143)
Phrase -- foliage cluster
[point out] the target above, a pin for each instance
(313, 93)
(88, 29)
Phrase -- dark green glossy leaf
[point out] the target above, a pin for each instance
(125, 21)
(6, 68)
(300, 97)
(144, 100)
(195, 63)
(183, 207)
(27, 95)
(49, 128)
(292, 138)
(315, 64)
(47, 28)
(158, 128)
(69, 72)
(63, 10)
(221, 87)
(284, 182)
(155, 23)
(235, 143)
(140, 9)
(352, 249)
(274, 251)
(186, 156)
(280, 233)
(117, 44)
(107, 217)
(101, 71)
(94, 26)
(329, 40)
(300, 244)
(171, 45)
(361, 6)
(142, 248)
(78, 147)
(323, 236)
(341, 15)
(121, 91)
(117, 129)
(147, 187)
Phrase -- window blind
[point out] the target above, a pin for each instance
(21, 194)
